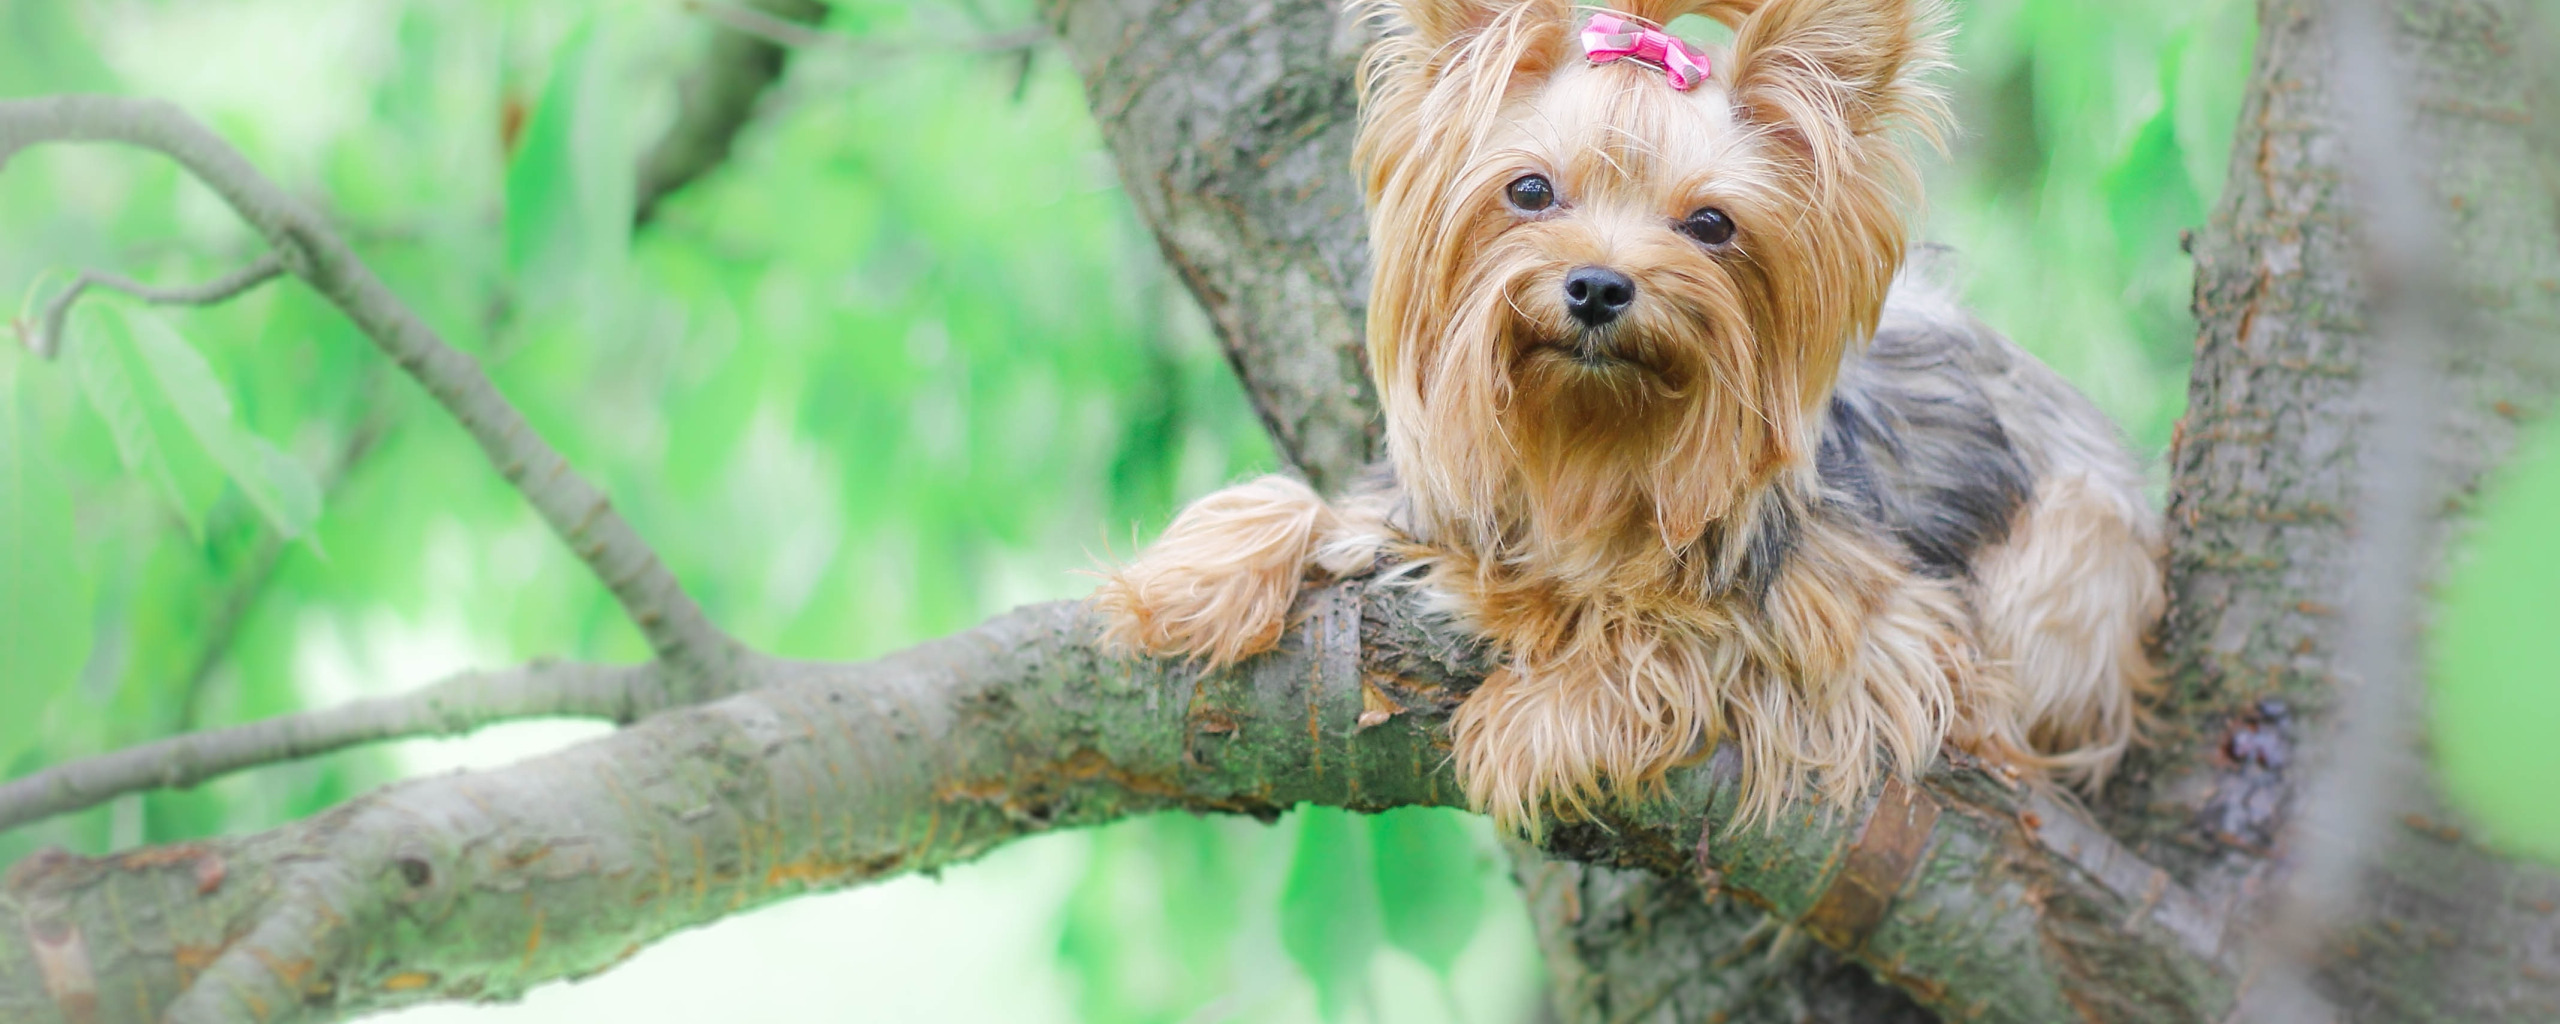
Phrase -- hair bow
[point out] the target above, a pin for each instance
(1611, 36)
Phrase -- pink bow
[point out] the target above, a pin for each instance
(1611, 36)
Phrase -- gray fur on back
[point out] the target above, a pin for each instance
(1942, 429)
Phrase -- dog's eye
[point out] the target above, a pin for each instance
(1531, 193)
(1709, 226)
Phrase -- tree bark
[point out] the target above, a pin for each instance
(1232, 124)
(818, 776)
(2264, 478)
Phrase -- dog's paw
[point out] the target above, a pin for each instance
(1217, 586)
(1216, 615)
(1565, 741)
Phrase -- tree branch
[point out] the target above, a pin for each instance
(749, 19)
(46, 338)
(814, 776)
(1231, 122)
(717, 98)
(2270, 521)
(581, 516)
(743, 62)
(454, 706)
(2369, 762)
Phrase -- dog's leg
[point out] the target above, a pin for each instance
(1218, 584)
(1599, 723)
(1864, 666)
(2064, 603)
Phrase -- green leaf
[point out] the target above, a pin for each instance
(2495, 688)
(1430, 883)
(569, 186)
(44, 595)
(281, 489)
(98, 358)
(1328, 908)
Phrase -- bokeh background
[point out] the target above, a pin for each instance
(905, 360)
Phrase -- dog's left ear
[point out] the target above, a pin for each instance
(1811, 66)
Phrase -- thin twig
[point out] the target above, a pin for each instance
(457, 705)
(46, 342)
(763, 25)
(736, 80)
(714, 101)
(781, 32)
(575, 510)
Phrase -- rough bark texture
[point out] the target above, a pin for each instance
(817, 776)
(1630, 945)
(2264, 478)
(477, 886)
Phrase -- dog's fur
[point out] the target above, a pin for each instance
(1787, 501)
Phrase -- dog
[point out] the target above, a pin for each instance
(1667, 424)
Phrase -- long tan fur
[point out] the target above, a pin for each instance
(1595, 517)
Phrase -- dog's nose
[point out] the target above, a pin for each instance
(1597, 295)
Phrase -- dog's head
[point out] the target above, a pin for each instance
(1608, 305)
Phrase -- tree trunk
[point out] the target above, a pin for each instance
(1232, 122)
(2263, 474)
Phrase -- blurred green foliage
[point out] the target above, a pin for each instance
(2495, 685)
(904, 360)
(2089, 136)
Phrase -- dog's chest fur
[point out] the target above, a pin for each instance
(1914, 459)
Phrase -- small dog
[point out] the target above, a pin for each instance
(1668, 425)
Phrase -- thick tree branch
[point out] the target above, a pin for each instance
(2273, 467)
(2370, 762)
(1231, 122)
(582, 517)
(817, 776)
(451, 707)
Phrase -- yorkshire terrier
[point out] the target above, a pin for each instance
(1668, 425)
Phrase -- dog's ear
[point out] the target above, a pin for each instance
(1816, 66)
(1730, 12)
(1437, 23)
(1434, 36)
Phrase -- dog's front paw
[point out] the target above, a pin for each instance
(1171, 610)
(1567, 740)
(1217, 586)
